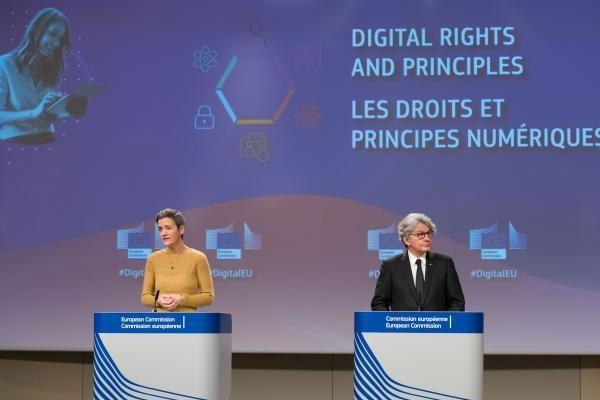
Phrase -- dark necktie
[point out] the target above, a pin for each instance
(420, 284)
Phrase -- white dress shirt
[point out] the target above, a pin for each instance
(413, 265)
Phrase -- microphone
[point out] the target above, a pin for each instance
(156, 298)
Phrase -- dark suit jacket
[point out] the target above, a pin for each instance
(396, 290)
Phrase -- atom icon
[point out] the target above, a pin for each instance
(205, 59)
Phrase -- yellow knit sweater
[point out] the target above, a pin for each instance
(186, 273)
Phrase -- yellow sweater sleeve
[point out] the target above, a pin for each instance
(148, 285)
(206, 292)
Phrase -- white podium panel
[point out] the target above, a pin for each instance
(162, 356)
(418, 355)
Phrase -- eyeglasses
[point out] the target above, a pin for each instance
(421, 235)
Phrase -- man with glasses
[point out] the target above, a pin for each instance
(418, 279)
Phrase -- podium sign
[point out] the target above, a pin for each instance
(162, 356)
(418, 355)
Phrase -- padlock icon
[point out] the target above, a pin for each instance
(204, 119)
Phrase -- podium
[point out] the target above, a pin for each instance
(162, 356)
(418, 355)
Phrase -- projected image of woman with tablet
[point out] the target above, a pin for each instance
(30, 79)
(177, 278)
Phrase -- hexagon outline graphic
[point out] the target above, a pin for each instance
(254, 121)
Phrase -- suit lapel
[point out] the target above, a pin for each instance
(429, 272)
(407, 272)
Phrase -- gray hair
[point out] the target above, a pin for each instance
(175, 215)
(407, 225)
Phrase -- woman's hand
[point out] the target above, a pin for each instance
(49, 99)
(170, 302)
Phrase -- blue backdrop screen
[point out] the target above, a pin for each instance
(294, 135)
